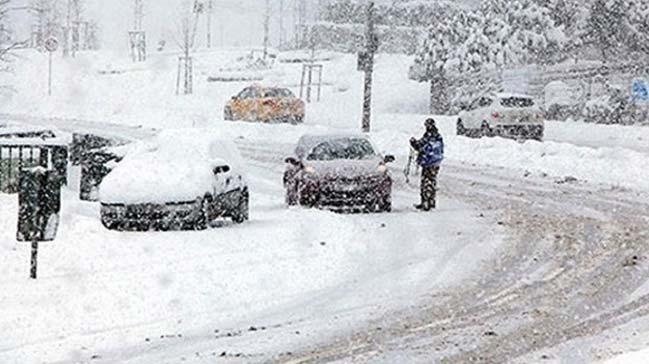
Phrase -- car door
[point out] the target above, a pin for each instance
(226, 189)
(271, 104)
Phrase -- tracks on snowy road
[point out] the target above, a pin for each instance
(575, 253)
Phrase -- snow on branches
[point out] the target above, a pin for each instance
(502, 33)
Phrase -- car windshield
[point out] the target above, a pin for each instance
(248, 93)
(344, 148)
(278, 92)
(514, 102)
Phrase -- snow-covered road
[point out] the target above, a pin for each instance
(139, 298)
(519, 261)
(558, 294)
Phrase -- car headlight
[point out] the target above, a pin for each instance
(309, 170)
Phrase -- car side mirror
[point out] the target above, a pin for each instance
(389, 159)
(221, 169)
(292, 161)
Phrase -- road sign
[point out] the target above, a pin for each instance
(51, 44)
(640, 91)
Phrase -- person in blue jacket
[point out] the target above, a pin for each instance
(430, 154)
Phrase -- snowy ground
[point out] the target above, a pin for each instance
(290, 279)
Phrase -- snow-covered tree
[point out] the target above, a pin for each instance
(502, 33)
(638, 26)
(605, 28)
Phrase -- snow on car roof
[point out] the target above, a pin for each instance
(197, 143)
(310, 141)
(174, 166)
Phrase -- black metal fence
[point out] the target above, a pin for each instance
(15, 156)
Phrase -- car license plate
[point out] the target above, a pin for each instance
(349, 187)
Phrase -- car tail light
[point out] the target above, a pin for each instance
(495, 115)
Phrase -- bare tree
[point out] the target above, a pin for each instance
(7, 41)
(47, 21)
(185, 37)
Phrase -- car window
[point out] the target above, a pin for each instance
(344, 148)
(248, 93)
(484, 102)
(272, 92)
(514, 102)
(284, 92)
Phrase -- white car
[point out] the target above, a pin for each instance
(180, 180)
(507, 115)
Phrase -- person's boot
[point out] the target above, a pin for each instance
(423, 207)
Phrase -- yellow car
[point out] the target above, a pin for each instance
(265, 104)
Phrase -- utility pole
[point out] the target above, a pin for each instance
(366, 64)
(266, 29)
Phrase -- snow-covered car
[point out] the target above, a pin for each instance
(179, 180)
(506, 115)
(338, 172)
(265, 104)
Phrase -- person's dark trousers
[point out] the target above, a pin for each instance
(429, 187)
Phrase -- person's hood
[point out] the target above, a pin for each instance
(345, 168)
(147, 179)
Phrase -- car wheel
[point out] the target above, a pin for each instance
(227, 114)
(243, 212)
(485, 130)
(291, 195)
(460, 130)
(110, 224)
(203, 216)
(306, 199)
(386, 204)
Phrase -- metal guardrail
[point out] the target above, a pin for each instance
(14, 157)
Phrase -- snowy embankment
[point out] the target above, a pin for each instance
(144, 96)
(637, 357)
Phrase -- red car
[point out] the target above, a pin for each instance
(339, 172)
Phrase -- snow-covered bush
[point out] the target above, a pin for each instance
(615, 108)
